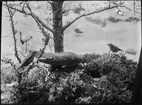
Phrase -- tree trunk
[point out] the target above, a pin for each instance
(57, 26)
(137, 92)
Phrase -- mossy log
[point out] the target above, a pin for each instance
(60, 59)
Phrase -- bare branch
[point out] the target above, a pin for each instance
(126, 8)
(96, 11)
(42, 23)
(120, 4)
(25, 24)
(7, 35)
(22, 54)
(138, 12)
(14, 34)
(49, 22)
(47, 37)
(23, 7)
(28, 6)
(32, 15)
(134, 8)
(42, 29)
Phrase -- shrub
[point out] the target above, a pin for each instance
(117, 68)
(89, 57)
(79, 87)
(7, 75)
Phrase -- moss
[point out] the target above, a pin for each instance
(79, 86)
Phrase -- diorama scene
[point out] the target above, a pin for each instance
(69, 52)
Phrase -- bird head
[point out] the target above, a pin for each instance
(109, 44)
(33, 51)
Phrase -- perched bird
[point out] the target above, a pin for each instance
(114, 48)
(25, 39)
(77, 30)
(29, 58)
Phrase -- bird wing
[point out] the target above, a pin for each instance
(27, 60)
(119, 49)
(116, 48)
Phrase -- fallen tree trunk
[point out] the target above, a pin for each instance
(60, 59)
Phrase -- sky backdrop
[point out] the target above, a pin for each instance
(94, 38)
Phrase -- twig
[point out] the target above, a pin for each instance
(32, 15)
(11, 14)
(49, 22)
(29, 7)
(26, 24)
(47, 37)
(22, 54)
(50, 3)
(50, 47)
(9, 61)
(7, 35)
(64, 11)
(134, 7)
(96, 11)
(42, 23)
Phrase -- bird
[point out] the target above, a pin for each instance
(29, 58)
(25, 39)
(77, 30)
(114, 48)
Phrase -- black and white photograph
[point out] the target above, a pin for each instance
(71, 52)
